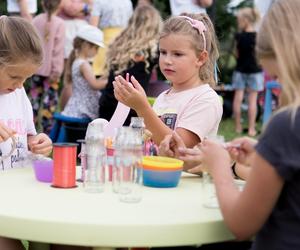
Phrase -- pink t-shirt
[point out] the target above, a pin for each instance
(198, 110)
(16, 113)
(53, 62)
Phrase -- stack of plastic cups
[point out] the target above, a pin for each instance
(64, 171)
(110, 157)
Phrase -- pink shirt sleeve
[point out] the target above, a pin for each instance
(58, 51)
(198, 110)
(202, 117)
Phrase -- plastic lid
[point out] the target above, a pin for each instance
(161, 163)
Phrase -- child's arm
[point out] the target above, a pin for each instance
(134, 96)
(40, 144)
(246, 212)
(87, 72)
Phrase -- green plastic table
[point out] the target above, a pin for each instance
(36, 211)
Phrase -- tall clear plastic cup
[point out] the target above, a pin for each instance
(94, 176)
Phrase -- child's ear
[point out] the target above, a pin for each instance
(202, 58)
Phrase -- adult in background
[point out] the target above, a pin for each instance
(23, 8)
(189, 6)
(111, 17)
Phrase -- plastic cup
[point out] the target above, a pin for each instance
(43, 169)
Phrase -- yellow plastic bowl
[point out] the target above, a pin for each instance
(161, 163)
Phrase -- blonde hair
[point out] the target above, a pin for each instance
(19, 41)
(140, 36)
(252, 15)
(49, 6)
(279, 39)
(179, 25)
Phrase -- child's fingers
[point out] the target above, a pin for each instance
(195, 170)
(5, 133)
(164, 146)
(189, 151)
(135, 83)
(178, 140)
(43, 151)
(120, 90)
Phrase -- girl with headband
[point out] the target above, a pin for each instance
(188, 52)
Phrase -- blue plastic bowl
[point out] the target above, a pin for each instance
(161, 179)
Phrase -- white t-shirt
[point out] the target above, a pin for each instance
(198, 110)
(188, 6)
(13, 6)
(16, 113)
(112, 13)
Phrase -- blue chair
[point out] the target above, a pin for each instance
(268, 99)
(64, 126)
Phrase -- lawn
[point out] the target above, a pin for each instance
(226, 129)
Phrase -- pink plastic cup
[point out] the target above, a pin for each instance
(110, 161)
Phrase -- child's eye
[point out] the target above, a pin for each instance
(162, 52)
(178, 54)
(15, 77)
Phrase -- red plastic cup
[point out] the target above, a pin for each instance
(64, 167)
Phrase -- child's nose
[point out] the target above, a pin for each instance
(167, 59)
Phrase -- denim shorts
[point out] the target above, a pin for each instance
(253, 81)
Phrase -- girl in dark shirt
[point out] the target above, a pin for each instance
(248, 74)
(134, 51)
(269, 205)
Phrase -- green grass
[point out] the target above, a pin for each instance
(227, 129)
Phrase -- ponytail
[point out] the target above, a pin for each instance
(49, 6)
(77, 43)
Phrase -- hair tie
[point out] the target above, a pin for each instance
(198, 25)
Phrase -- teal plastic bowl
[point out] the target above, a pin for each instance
(161, 179)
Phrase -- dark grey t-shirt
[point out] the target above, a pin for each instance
(280, 146)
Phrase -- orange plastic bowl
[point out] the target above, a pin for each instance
(161, 172)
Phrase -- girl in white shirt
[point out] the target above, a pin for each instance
(21, 55)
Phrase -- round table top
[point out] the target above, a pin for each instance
(36, 211)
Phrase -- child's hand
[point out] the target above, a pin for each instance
(192, 158)
(132, 95)
(5, 132)
(214, 155)
(244, 151)
(170, 144)
(40, 144)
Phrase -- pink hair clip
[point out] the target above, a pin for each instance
(198, 25)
